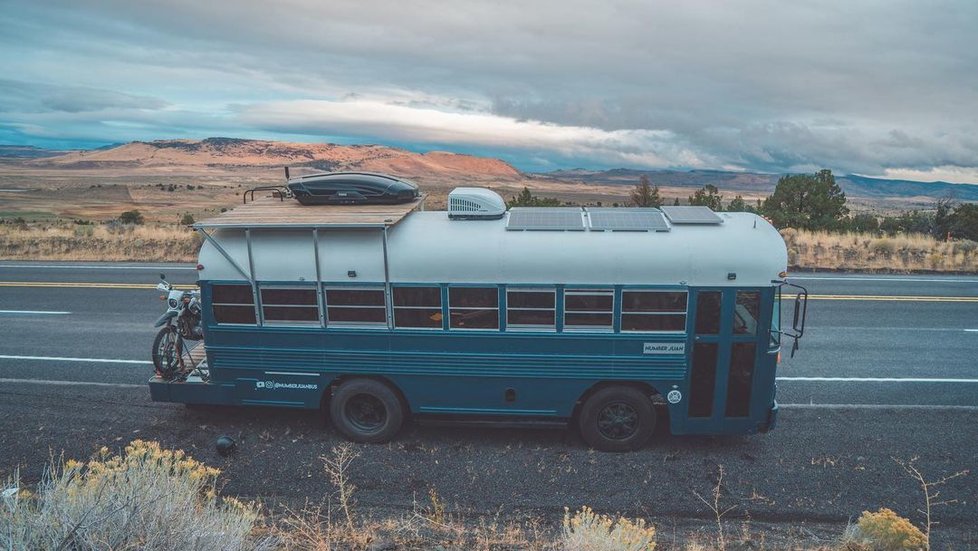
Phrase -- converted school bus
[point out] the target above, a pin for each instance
(612, 319)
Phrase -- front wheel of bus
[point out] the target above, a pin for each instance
(365, 410)
(617, 419)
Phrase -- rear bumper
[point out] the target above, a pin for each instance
(190, 392)
(772, 419)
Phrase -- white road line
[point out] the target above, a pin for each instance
(912, 407)
(971, 330)
(67, 383)
(877, 379)
(95, 267)
(67, 359)
(32, 312)
(895, 278)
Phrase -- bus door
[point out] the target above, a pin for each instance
(726, 389)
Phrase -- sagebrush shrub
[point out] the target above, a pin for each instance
(589, 531)
(884, 530)
(147, 498)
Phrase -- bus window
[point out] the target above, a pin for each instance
(653, 311)
(473, 307)
(703, 379)
(746, 312)
(589, 310)
(417, 307)
(356, 306)
(289, 306)
(776, 322)
(707, 312)
(741, 379)
(531, 309)
(233, 304)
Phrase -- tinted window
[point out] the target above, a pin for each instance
(417, 296)
(417, 307)
(653, 301)
(289, 306)
(741, 379)
(357, 307)
(702, 380)
(232, 294)
(531, 309)
(588, 309)
(234, 314)
(653, 310)
(708, 312)
(473, 307)
(288, 296)
(233, 304)
(746, 312)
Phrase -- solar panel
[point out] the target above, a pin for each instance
(545, 219)
(627, 219)
(691, 215)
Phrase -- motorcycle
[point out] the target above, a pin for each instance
(180, 322)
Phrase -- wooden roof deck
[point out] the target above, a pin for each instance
(270, 212)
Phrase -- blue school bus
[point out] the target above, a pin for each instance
(612, 320)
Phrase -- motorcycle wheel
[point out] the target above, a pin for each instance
(166, 357)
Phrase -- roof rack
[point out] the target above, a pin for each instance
(269, 213)
(277, 191)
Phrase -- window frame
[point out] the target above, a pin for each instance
(583, 291)
(252, 305)
(449, 307)
(684, 313)
(377, 287)
(527, 327)
(395, 308)
(318, 322)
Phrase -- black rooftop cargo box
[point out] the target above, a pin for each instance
(352, 188)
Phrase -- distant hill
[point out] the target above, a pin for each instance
(233, 152)
(747, 183)
(27, 152)
(448, 169)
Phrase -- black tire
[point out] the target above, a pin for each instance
(365, 410)
(166, 360)
(617, 419)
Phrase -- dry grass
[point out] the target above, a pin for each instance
(167, 242)
(66, 241)
(153, 498)
(870, 252)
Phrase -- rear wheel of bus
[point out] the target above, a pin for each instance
(365, 410)
(617, 419)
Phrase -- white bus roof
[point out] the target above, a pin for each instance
(743, 250)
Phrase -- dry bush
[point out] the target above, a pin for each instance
(589, 531)
(884, 530)
(111, 241)
(147, 498)
(870, 252)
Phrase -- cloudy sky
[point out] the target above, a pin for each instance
(880, 88)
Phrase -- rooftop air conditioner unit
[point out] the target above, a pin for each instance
(475, 203)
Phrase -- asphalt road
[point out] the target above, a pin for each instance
(888, 370)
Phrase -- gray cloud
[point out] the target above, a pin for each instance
(869, 87)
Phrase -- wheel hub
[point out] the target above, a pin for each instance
(618, 421)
